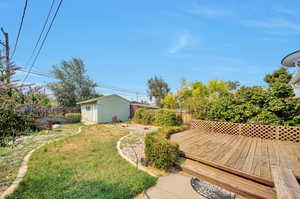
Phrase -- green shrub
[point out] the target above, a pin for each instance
(266, 117)
(144, 116)
(160, 152)
(13, 123)
(167, 118)
(73, 117)
(297, 120)
(160, 118)
(168, 131)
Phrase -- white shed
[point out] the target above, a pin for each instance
(105, 109)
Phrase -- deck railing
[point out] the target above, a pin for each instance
(282, 133)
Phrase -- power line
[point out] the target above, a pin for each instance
(20, 27)
(42, 32)
(44, 40)
(103, 86)
(36, 73)
(121, 89)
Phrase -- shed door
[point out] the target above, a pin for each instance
(95, 113)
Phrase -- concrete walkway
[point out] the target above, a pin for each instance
(174, 186)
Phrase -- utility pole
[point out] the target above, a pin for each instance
(7, 50)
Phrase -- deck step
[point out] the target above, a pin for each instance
(241, 186)
(262, 180)
(286, 184)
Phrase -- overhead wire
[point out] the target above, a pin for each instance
(103, 86)
(41, 34)
(20, 28)
(44, 40)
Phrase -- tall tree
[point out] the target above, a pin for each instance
(73, 84)
(170, 101)
(233, 85)
(281, 75)
(157, 89)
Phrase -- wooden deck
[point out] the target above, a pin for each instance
(248, 157)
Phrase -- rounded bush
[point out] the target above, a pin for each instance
(160, 152)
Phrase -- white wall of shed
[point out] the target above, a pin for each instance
(110, 107)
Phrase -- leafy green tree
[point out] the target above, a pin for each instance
(198, 106)
(281, 75)
(157, 89)
(199, 89)
(281, 90)
(12, 98)
(266, 117)
(73, 84)
(217, 87)
(170, 101)
(256, 95)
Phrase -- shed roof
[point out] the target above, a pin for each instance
(99, 98)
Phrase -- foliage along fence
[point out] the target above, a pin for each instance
(186, 117)
(282, 133)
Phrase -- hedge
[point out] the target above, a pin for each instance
(160, 152)
(161, 117)
(144, 116)
(73, 117)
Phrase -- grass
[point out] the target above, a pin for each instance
(12, 157)
(86, 165)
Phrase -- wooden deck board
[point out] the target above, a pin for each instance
(286, 184)
(249, 157)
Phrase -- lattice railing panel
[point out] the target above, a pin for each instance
(283, 133)
(259, 131)
(288, 133)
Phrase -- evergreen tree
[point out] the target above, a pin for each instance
(157, 89)
(73, 84)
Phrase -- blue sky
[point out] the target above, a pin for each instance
(123, 43)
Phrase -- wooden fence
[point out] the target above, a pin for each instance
(186, 117)
(282, 133)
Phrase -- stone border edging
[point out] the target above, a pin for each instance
(140, 167)
(24, 167)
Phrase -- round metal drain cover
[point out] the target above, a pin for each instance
(210, 191)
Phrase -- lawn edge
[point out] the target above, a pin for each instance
(139, 166)
(24, 166)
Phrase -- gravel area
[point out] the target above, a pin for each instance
(133, 145)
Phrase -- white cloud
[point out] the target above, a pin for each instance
(182, 42)
(206, 11)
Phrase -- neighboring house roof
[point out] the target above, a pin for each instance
(144, 105)
(99, 98)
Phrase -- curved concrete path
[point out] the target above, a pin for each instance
(174, 186)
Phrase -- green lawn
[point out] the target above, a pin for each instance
(12, 157)
(86, 165)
